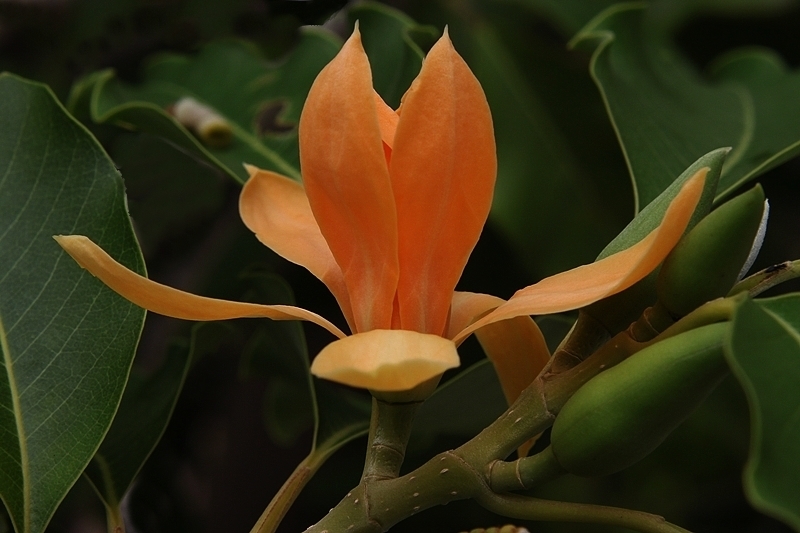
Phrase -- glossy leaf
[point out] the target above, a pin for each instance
(764, 354)
(650, 217)
(664, 113)
(261, 103)
(67, 341)
(772, 104)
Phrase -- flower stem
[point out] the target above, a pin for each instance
(767, 278)
(389, 430)
(114, 521)
(525, 508)
(525, 473)
(272, 516)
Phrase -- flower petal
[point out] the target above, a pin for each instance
(516, 346)
(443, 171)
(387, 120)
(468, 307)
(587, 284)
(276, 209)
(347, 182)
(385, 360)
(518, 351)
(172, 302)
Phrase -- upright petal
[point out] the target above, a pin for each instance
(276, 209)
(347, 183)
(587, 284)
(443, 171)
(167, 301)
(387, 120)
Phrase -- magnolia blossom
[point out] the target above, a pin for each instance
(391, 206)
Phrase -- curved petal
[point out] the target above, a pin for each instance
(518, 351)
(172, 302)
(516, 347)
(385, 360)
(587, 284)
(468, 307)
(276, 209)
(443, 171)
(347, 182)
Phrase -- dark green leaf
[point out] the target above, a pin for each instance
(665, 115)
(67, 341)
(764, 354)
(260, 103)
(772, 104)
(650, 217)
(143, 414)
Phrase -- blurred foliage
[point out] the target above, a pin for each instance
(563, 193)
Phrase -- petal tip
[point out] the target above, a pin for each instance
(252, 170)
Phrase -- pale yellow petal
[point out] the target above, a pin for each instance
(171, 302)
(276, 209)
(385, 360)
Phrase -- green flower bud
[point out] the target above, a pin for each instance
(708, 260)
(624, 413)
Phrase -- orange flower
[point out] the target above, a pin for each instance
(391, 206)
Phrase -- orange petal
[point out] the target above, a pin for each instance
(587, 284)
(276, 209)
(518, 351)
(385, 360)
(172, 302)
(468, 307)
(387, 120)
(347, 183)
(443, 171)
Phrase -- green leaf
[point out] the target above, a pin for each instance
(391, 40)
(145, 410)
(665, 115)
(67, 341)
(764, 354)
(650, 217)
(261, 103)
(772, 105)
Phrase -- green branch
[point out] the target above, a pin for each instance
(525, 508)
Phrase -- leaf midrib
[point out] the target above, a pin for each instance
(23, 444)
